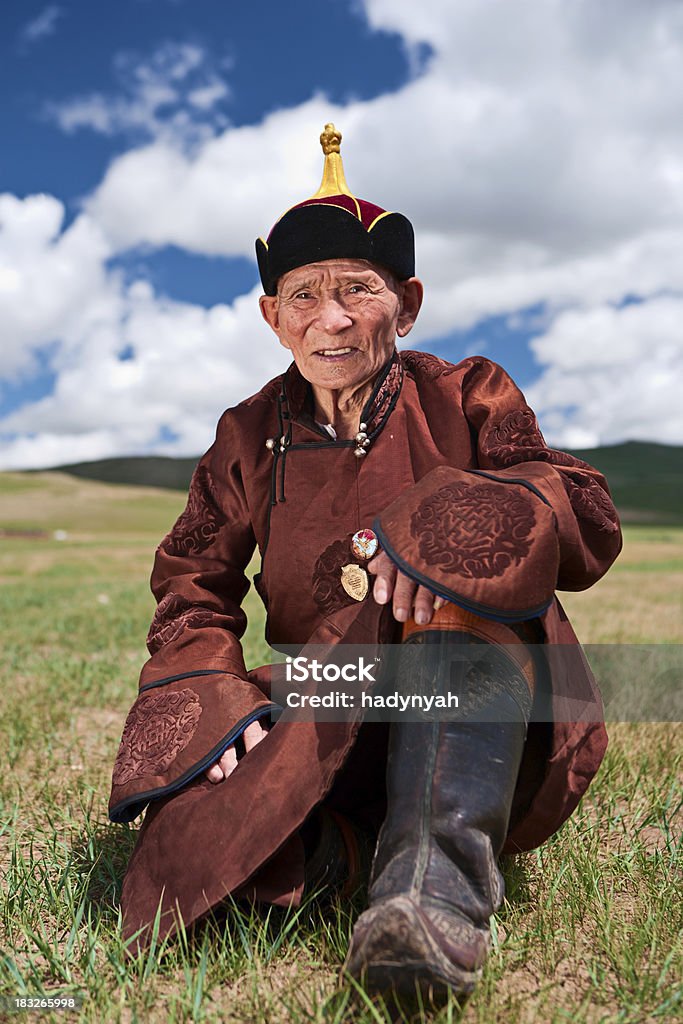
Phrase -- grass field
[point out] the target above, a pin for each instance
(590, 932)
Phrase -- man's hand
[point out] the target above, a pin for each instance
(408, 597)
(252, 735)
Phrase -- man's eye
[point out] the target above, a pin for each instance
(357, 289)
(303, 295)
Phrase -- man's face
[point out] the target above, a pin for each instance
(339, 319)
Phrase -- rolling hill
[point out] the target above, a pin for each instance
(646, 479)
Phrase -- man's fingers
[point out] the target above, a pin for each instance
(424, 606)
(376, 564)
(214, 773)
(253, 734)
(385, 570)
(228, 761)
(223, 767)
(404, 592)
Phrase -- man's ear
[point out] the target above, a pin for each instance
(412, 292)
(269, 311)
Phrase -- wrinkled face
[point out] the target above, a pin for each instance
(339, 319)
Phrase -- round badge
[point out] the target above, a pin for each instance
(364, 544)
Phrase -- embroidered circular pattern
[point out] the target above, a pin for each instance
(475, 531)
(327, 589)
(158, 727)
(518, 430)
(426, 365)
(590, 502)
(201, 520)
(517, 438)
(174, 614)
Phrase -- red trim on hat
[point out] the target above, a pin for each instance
(364, 211)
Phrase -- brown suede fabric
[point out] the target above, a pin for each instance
(301, 500)
(487, 543)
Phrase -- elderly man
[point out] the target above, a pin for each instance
(434, 479)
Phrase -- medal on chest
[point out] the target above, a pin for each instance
(354, 578)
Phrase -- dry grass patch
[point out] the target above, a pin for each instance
(640, 601)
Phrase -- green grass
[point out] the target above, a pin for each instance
(590, 932)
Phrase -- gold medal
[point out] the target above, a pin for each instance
(354, 580)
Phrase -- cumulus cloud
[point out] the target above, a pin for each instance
(611, 373)
(187, 365)
(524, 131)
(538, 154)
(174, 93)
(136, 371)
(219, 198)
(53, 283)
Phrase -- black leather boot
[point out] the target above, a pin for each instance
(435, 879)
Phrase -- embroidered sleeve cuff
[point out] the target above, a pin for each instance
(485, 541)
(177, 729)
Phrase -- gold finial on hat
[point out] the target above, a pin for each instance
(330, 139)
(334, 182)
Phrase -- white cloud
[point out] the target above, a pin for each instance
(612, 374)
(187, 363)
(526, 136)
(206, 96)
(53, 283)
(43, 25)
(514, 279)
(172, 94)
(220, 199)
(539, 156)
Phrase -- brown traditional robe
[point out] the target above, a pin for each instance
(462, 488)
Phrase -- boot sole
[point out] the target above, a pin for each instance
(392, 949)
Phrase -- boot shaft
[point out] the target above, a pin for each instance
(450, 784)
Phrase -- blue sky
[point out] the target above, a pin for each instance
(83, 46)
(148, 142)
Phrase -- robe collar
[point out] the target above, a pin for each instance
(298, 396)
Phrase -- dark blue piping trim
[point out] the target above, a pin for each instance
(185, 675)
(365, 414)
(280, 456)
(129, 809)
(512, 480)
(315, 445)
(471, 606)
(273, 483)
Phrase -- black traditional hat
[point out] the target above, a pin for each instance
(334, 224)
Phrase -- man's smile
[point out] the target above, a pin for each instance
(333, 354)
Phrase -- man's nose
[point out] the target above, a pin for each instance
(332, 316)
